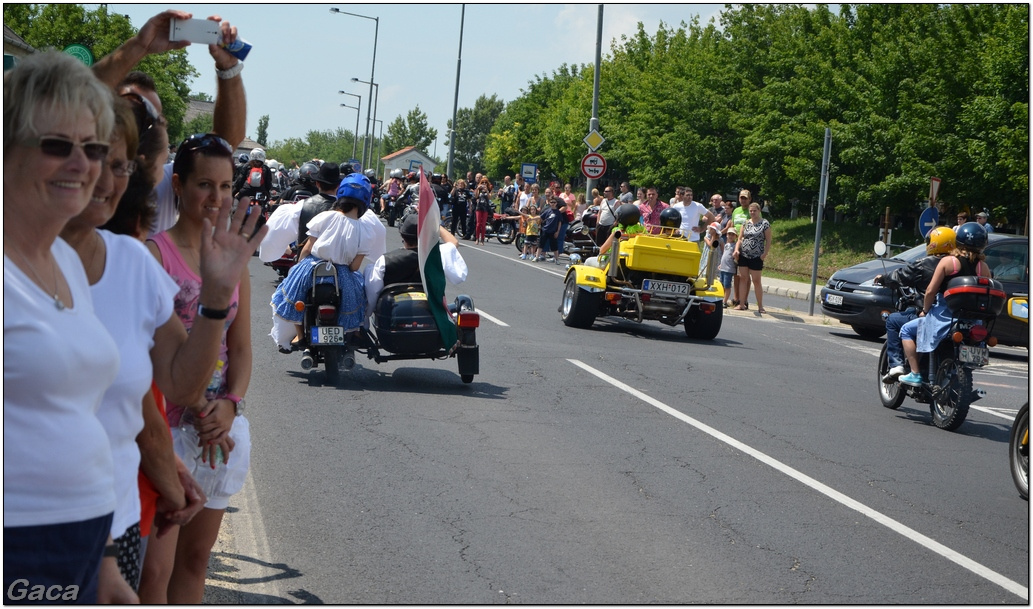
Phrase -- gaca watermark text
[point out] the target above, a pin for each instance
(21, 589)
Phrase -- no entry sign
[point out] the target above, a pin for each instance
(593, 165)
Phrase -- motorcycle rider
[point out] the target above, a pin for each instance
(374, 183)
(245, 187)
(305, 185)
(440, 194)
(917, 274)
(410, 196)
(507, 195)
(403, 265)
(628, 223)
(289, 223)
(394, 188)
(923, 334)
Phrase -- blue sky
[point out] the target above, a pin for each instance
(303, 54)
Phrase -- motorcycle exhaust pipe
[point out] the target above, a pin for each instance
(307, 362)
(349, 359)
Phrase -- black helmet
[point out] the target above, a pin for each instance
(435, 178)
(346, 169)
(670, 218)
(307, 172)
(371, 173)
(243, 158)
(971, 235)
(629, 215)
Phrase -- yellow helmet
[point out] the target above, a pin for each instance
(939, 241)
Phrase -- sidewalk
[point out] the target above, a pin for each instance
(798, 290)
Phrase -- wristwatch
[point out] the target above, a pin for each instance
(238, 403)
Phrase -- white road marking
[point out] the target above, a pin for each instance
(893, 525)
(547, 267)
(1004, 413)
(492, 319)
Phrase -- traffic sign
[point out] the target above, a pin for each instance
(593, 165)
(934, 188)
(529, 171)
(594, 140)
(928, 221)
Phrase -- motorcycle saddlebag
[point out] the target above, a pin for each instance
(404, 323)
(980, 296)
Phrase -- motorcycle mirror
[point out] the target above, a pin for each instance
(880, 249)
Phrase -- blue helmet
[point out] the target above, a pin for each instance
(971, 235)
(355, 186)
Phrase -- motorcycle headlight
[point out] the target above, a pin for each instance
(575, 259)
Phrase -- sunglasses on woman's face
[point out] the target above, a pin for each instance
(52, 145)
(121, 169)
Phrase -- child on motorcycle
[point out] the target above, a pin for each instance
(923, 334)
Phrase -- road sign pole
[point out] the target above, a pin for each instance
(823, 190)
(593, 124)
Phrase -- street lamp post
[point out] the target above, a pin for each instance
(355, 140)
(376, 103)
(372, 73)
(380, 143)
(355, 134)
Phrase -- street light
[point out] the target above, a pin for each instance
(355, 135)
(358, 110)
(380, 142)
(372, 73)
(376, 102)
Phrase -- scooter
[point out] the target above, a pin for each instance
(974, 303)
(1018, 444)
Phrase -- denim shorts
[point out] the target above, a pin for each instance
(726, 279)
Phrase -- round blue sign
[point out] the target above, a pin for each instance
(928, 221)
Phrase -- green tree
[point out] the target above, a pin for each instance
(58, 25)
(201, 96)
(413, 130)
(471, 133)
(202, 123)
(263, 129)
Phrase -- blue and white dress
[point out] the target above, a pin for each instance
(339, 240)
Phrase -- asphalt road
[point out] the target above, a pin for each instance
(621, 464)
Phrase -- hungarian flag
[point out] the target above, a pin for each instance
(433, 274)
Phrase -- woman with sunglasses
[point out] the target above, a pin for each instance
(202, 179)
(133, 297)
(59, 495)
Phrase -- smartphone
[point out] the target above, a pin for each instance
(200, 31)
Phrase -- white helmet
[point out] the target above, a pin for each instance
(257, 154)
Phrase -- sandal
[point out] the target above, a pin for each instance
(761, 310)
(740, 308)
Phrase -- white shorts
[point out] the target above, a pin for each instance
(231, 476)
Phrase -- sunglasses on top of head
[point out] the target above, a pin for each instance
(52, 145)
(200, 141)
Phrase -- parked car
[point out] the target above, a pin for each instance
(851, 297)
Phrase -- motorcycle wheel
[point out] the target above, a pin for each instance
(952, 394)
(333, 360)
(1018, 451)
(891, 394)
(520, 242)
(507, 233)
(579, 307)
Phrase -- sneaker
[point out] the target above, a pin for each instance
(893, 373)
(523, 256)
(912, 378)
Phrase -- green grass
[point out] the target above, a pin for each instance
(792, 248)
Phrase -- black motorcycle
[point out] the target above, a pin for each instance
(974, 303)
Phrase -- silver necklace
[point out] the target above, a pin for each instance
(60, 306)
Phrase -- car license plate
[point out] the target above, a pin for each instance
(328, 335)
(666, 287)
(979, 356)
(833, 299)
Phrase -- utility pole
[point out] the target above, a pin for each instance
(455, 103)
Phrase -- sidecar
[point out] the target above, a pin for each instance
(404, 328)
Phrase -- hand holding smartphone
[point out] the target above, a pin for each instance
(200, 31)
